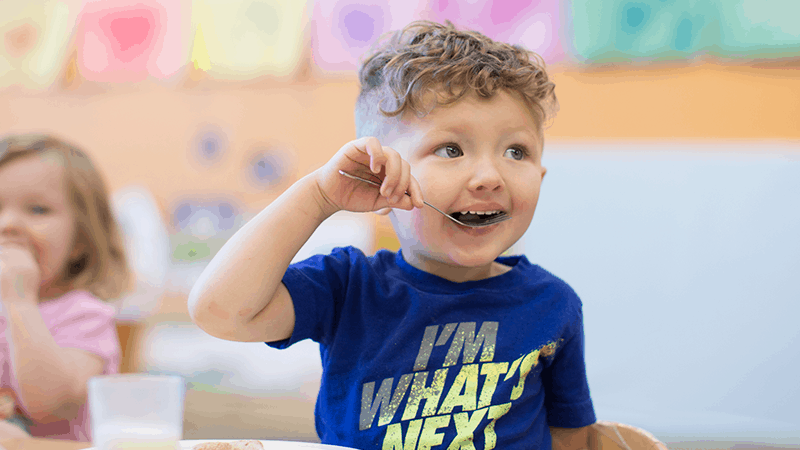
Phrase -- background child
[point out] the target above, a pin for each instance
(445, 343)
(60, 254)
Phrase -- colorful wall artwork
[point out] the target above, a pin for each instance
(35, 37)
(536, 25)
(208, 146)
(760, 29)
(129, 40)
(268, 167)
(643, 31)
(200, 226)
(341, 31)
(243, 39)
(121, 41)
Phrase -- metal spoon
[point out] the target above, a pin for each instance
(490, 221)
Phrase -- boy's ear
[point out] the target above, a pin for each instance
(544, 172)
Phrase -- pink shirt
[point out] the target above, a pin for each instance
(76, 320)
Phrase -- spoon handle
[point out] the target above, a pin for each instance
(348, 175)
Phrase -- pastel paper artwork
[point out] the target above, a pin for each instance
(536, 25)
(343, 30)
(34, 42)
(20, 40)
(245, 39)
(209, 145)
(623, 31)
(268, 167)
(127, 41)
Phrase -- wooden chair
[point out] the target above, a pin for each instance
(605, 435)
(130, 334)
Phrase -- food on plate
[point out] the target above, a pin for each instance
(235, 445)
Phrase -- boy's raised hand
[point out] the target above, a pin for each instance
(367, 158)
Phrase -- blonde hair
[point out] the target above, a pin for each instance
(102, 268)
(427, 58)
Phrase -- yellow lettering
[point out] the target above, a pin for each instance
(492, 371)
(530, 361)
(465, 429)
(467, 382)
(430, 394)
(385, 401)
(425, 349)
(447, 331)
(429, 436)
(513, 369)
(495, 412)
(466, 340)
(394, 436)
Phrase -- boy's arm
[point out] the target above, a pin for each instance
(239, 296)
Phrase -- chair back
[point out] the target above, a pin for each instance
(605, 435)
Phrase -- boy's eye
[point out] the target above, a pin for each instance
(40, 209)
(448, 151)
(514, 153)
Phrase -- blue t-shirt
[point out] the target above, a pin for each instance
(414, 361)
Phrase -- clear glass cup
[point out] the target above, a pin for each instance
(136, 411)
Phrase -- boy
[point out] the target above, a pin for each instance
(444, 344)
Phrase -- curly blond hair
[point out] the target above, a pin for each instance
(102, 268)
(426, 58)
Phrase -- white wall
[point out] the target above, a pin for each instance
(687, 259)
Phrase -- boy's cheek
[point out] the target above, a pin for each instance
(403, 218)
(409, 224)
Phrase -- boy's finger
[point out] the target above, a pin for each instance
(416, 193)
(402, 186)
(392, 170)
(373, 148)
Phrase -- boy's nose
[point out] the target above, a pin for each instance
(485, 176)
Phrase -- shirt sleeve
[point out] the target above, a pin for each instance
(88, 324)
(317, 285)
(567, 398)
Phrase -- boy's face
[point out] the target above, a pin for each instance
(477, 154)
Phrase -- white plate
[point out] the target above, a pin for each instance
(268, 445)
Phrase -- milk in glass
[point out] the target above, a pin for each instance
(136, 436)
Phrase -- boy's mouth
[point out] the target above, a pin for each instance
(476, 217)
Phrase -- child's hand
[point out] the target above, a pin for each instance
(367, 158)
(19, 274)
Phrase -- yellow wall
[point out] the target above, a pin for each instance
(707, 101)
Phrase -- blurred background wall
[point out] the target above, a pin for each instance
(671, 201)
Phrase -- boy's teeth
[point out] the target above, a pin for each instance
(482, 213)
